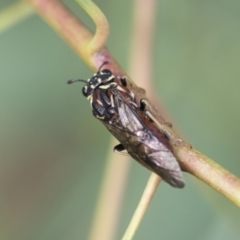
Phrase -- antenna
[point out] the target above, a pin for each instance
(76, 80)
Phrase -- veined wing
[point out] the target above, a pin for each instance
(136, 136)
(127, 116)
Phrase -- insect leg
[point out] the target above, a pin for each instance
(144, 106)
(105, 99)
(123, 81)
(165, 128)
(119, 149)
(111, 110)
(98, 109)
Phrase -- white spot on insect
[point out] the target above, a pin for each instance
(90, 98)
(99, 102)
(107, 86)
(132, 95)
(99, 80)
(112, 100)
(99, 117)
(92, 86)
(121, 89)
(134, 104)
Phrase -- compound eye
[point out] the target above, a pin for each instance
(86, 91)
(106, 72)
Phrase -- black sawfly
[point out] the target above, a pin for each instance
(115, 106)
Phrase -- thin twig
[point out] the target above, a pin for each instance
(208, 171)
(102, 27)
(141, 70)
(142, 207)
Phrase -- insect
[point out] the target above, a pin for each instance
(115, 106)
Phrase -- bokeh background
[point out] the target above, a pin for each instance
(53, 152)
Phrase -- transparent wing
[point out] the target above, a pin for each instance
(154, 153)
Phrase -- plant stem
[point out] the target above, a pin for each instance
(208, 171)
(102, 27)
(141, 209)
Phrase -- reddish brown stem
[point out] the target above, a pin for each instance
(209, 172)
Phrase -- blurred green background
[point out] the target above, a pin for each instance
(53, 151)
